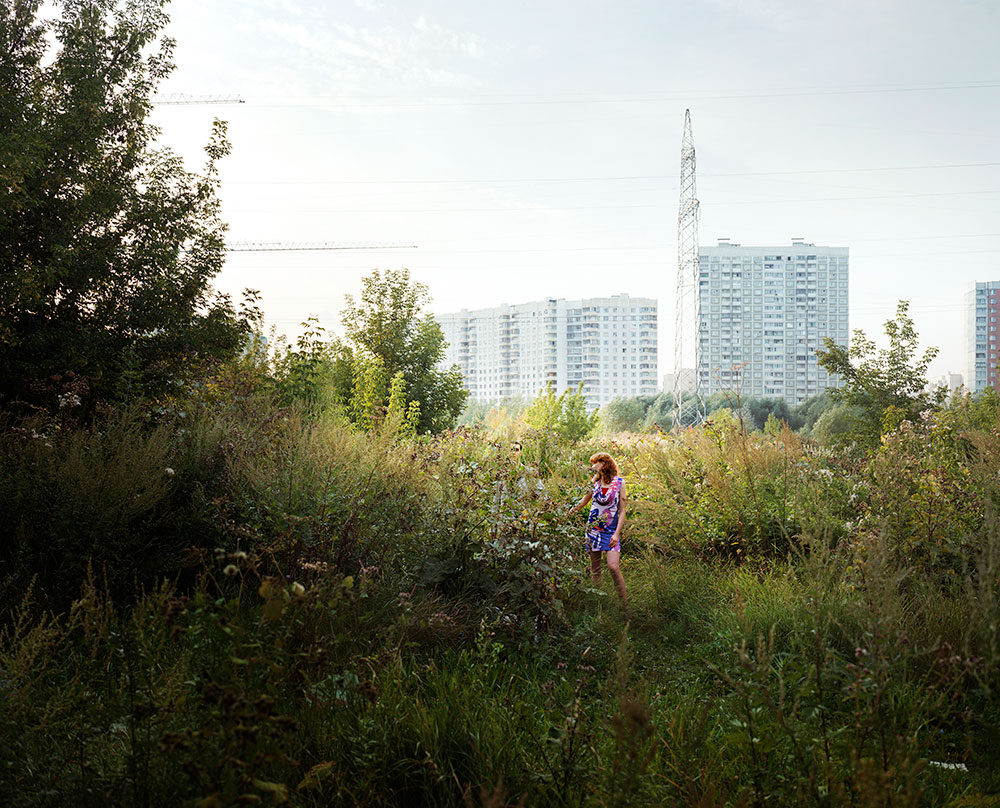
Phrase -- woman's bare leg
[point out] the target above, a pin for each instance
(616, 574)
(595, 567)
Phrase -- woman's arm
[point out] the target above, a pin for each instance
(622, 505)
(582, 503)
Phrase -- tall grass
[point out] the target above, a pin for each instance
(300, 614)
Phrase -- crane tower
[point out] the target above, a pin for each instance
(686, 337)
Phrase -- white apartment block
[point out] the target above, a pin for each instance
(764, 312)
(950, 381)
(982, 344)
(608, 343)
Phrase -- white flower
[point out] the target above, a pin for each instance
(297, 589)
(169, 471)
(230, 570)
(69, 400)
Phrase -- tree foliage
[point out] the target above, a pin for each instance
(388, 322)
(885, 384)
(565, 414)
(811, 410)
(623, 415)
(107, 244)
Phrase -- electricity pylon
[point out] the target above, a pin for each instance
(687, 348)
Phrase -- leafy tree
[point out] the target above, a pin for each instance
(622, 415)
(387, 322)
(474, 413)
(723, 417)
(575, 423)
(761, 410)
(565, 414)
(720, 401)
(836, 425)
(369, 392)
(659, 414)
(403, 415)
(883, 384)
(544, 411)
(808, 412)
(107, 244)
(302, 372)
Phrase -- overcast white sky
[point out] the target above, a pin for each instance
(531, 148)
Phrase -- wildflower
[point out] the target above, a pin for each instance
(169, 471)
(316, 566)
(297, 589)
(231, 570)
(69, 400)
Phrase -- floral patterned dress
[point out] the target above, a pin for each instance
(603, 518)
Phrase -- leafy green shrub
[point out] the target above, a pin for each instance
(921, 495)
(105, 495)
(726, 493)
(566, 414)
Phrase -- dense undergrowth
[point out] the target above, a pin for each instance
(244, 603)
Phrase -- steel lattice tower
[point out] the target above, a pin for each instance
(686, 342)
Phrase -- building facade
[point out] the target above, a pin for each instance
(981, 313)
(607, 343)
(764, 312)
(952, 382)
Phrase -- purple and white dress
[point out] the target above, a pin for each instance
(603, 518)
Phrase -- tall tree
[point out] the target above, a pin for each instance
(565, 414)
(885, 385)
(107, 244)
(388, 321)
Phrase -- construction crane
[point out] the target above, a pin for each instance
(297, 246)
(173, 99)
(687, 348)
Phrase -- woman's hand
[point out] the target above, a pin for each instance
(614, 542)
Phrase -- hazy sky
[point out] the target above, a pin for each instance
(531, 149)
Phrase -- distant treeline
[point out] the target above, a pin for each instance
(819, 416)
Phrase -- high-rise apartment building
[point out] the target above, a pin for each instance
(981, 313)
(608, 343)
(764, 312)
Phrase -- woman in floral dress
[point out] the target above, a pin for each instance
(606, 519)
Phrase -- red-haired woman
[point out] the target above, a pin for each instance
(606, 519)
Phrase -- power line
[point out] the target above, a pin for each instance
(654, 94)
(543, 207)
(644, 99)
(310, 246)
(454, 181)
(847, 241)
(851, 170)
(176, 99)
(611, 178)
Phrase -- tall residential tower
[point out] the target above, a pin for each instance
(981, 312)
(608, 343)
(764, 312)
